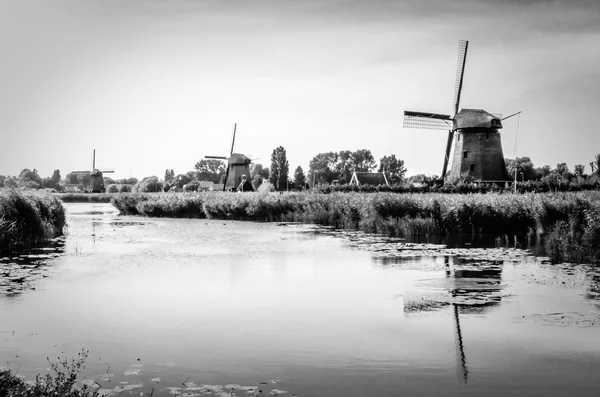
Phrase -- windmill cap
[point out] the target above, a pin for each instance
(95, 172)
(476, 118)
(237, 158)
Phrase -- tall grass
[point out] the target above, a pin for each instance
(28, 218)
(85, 197)
(402, 215)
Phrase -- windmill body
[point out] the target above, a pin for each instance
(474, 145)
(238, 172)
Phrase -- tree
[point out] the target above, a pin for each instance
(595, 165)
(393, 168)
(169, 175)
(279, 170)
(257, 180)
(11, 183)
(260, 170)
(542, 172)
(148, 184)
(344, 166)
(363, 161)
(210, 170)
(2, 179)
(299, 178)
(54, 182)
(580, 170)
(181, 180)
(30, 179)
(322, 168)
(522, 165)
(563, 171)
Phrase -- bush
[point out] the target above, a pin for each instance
(112, 189)
(150, 184)
(125, 189)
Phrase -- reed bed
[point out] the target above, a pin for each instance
(28, 218)
(402, 215)
(85, 197)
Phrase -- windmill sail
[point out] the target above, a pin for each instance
(430, 121)
(463, 45)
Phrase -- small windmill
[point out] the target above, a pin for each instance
(237, 176)
(96, 180)
(474, 146)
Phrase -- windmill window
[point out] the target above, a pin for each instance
(472, 168)
(458, 138)
(465, 155)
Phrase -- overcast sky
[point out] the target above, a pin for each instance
(156, 84)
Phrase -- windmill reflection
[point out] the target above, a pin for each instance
(474, 285)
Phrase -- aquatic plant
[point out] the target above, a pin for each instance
(28, 218)
(61, 381)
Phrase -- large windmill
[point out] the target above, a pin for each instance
(237, 176)
(474, 147)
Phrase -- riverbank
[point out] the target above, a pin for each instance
(28, 218)
(570, 222)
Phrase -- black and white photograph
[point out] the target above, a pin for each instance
(298, 198)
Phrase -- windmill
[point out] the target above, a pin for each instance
(237, 176)
(474, 146)
(96, 184)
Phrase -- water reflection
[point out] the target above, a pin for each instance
(21, 272)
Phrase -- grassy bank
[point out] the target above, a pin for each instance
(547, 214)
(85, 197)
(28, 218)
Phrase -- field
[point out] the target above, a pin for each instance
(570, 222)
(28, 218)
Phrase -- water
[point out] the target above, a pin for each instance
(170, 305)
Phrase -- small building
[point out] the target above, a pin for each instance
(369, 178)
(204, 186)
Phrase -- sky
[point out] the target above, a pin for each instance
(154, 85)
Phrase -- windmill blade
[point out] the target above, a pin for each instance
(448, 151)
(216, 157)
(233, 139)
(463, 45)
(430, 121)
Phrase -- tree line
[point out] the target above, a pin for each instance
(324, 169)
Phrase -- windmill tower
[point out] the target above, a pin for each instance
(474, 147)
(237, 176)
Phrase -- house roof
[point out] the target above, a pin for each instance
(369, 178)
(206, 184)
(476, 118)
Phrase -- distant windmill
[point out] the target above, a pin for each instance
(237, 176)
(96, 180)
(474, 146)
